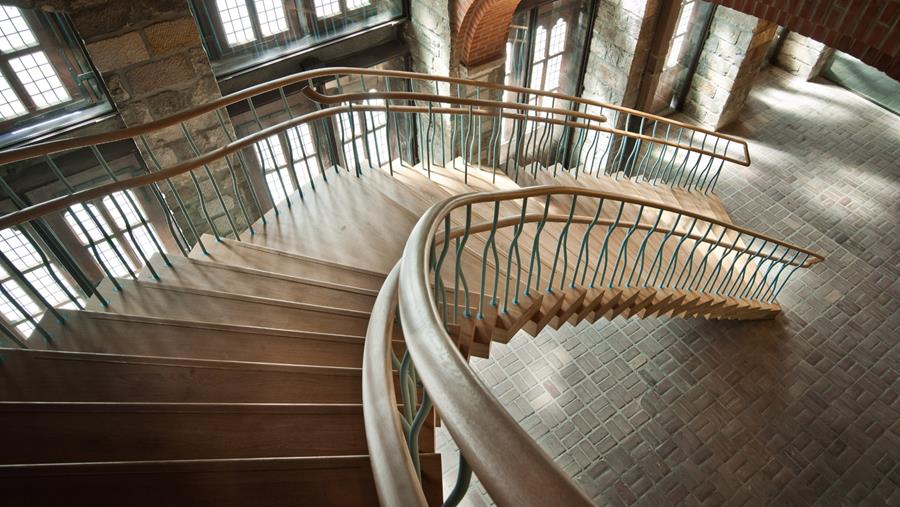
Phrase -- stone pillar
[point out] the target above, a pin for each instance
(428, 37)
(151, 59)
(728, 64)
(802, 56)
(490, 72)
(620, 45)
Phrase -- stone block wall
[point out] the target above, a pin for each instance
(620, 45)
(728, 63)
(802, 56)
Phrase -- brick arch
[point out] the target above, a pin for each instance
(481, 28)
(866, 29)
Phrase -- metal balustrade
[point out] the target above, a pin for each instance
(476, 267)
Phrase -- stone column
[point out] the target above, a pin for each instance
(428, 37)
(620, 45)
(802, 56)
(490, 72)
(151, 59)
(728, 64)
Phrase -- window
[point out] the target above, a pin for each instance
(274, 154)
(681, 33)
(368, 133)
(238, 34)
(236, 22)
(116, 233)
(547, 58)
(45, 278)
(44, 75)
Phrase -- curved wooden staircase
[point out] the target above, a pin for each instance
(234, 375)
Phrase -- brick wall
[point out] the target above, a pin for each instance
(867, 29)
(481, 28)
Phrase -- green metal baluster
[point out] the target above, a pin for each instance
(640, 254)
(659, 252)
(463, 478)
(137, 212)
(459, 275)
(243, 165)
(790, 274)
(623, 249)
(604, 252)
(765, 277)
(739, 282)
(212, 181)
(701, 269)
(536, 250)
(689, 263)
(177, 196)
(725, 284)
(731, 286)
(715, 272)
(106, 237)
(774, 282)
(487, 245)
(514, 245)
(673, 260)
(584, 250)
(562, 240)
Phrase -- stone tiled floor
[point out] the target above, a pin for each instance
(801, 410)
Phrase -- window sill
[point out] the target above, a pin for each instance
(53, 127)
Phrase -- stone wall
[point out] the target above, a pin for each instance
(620, 44)
(150, 57)
(802, 56)
(728, 63)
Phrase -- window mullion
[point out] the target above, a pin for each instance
(254, 20)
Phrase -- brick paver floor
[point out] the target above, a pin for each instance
(801, 410)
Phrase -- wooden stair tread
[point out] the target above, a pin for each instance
(219, 277)
(37, 375)
(333, 481)
(101, 332)
(87, 432)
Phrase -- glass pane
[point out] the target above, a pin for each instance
(80, 221)
(39, 79)
(14, 31)
(132, 219)
(235, 22)
(327, 8)
(20, 252)
(10, 105)
(271, 17)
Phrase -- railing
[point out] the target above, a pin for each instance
(467, 263)
(473, 259)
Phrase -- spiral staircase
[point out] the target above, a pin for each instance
(308, 359)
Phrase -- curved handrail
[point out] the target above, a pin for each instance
(395, 474)
(18, 154)
(62, 202)
(508, 462)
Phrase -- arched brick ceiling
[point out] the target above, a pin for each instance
(481, 28)
(866, 29)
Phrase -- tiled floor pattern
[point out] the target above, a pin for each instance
(802, 410)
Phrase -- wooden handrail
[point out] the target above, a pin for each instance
(556, 218)
(18, 154)
(62, 202)
(395, 475)
(545, 190)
